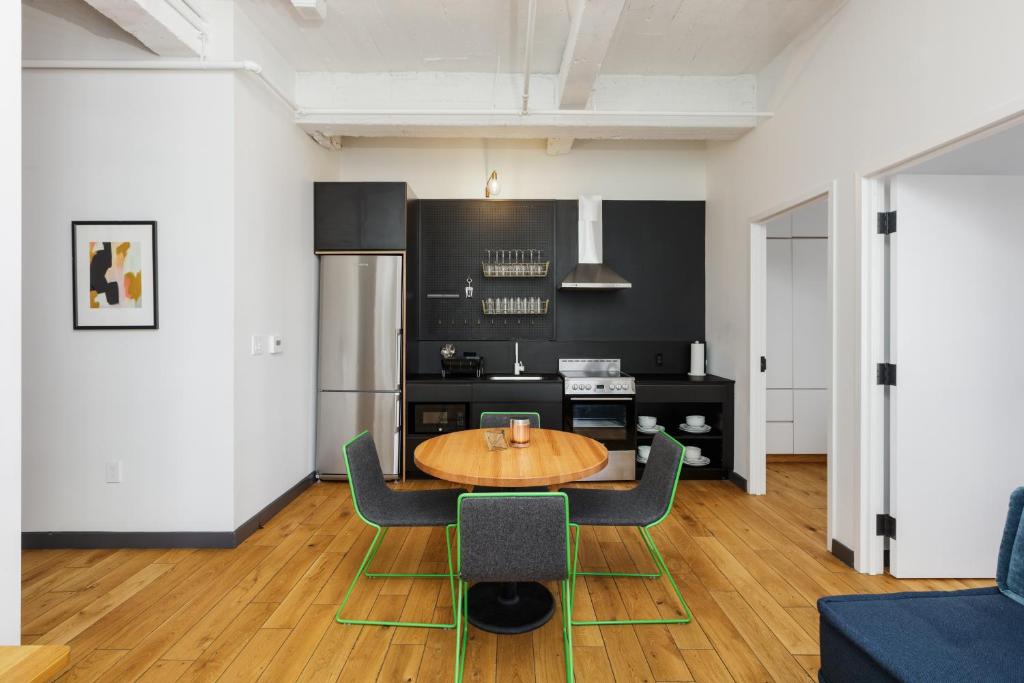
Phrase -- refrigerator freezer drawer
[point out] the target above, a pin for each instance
(342, 415)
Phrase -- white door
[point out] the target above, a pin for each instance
(958, 344)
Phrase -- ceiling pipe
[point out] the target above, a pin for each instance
(161, 65)
(531, 24)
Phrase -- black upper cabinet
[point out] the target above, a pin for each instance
(349, 216)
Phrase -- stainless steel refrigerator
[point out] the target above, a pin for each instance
(360, 369)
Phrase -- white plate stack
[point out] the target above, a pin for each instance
(693, 457)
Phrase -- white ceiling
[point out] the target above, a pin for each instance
(665, 37)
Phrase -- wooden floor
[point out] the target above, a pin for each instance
(750, 567)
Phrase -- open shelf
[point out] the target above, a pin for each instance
(708, 472)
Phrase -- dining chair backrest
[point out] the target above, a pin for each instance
(513, 536)
(661, 474)
(496, 420)
(365, 478)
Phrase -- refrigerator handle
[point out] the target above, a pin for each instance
(398, 412)
(398, 356)
(398, 454)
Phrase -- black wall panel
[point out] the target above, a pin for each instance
(656, 245)
(659, 248)
(454, 238)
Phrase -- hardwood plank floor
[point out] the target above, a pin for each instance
(750, 568)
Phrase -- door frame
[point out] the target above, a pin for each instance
(873, 409)
(757, 454)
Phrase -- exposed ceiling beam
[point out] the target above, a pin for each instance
(167, 28)
(311, 10)
(590, 35)
(559, 125)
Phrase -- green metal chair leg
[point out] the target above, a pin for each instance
(371, 552)
(662, 567)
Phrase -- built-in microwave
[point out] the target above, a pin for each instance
(438, 418)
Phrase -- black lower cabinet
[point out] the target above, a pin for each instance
(671, 400)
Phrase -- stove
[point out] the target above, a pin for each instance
(599, 402)
(595, 377)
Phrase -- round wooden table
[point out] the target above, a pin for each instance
(553, 457)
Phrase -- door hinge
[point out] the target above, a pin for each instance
(886, 374)
(886, 222)
(764, 364)
(885, 525)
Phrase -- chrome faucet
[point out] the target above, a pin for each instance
(518, 367)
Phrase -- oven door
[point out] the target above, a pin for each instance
(609, 420)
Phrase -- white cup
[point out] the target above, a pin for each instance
(694, 420)
(642, 453)
(692, 453)
(647, 421)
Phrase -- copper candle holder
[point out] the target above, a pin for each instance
(520, 433)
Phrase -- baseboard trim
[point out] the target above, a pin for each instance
(50, 540)
(249, 526)
(842, 553)
(802, 458)
(739, 481)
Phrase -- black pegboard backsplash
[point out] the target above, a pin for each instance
(454, 236)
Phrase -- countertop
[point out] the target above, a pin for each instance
(456, 379)
(549, 377)
(681, 379)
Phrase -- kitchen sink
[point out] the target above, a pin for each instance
(515, 378)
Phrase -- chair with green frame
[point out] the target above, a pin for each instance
(644, 506)
(382, 508)
(492, 419)
(508, 537)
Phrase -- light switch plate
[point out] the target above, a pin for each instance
(274, 344)
(257, 345)
(114, 472)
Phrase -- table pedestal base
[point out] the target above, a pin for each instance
(510, 607)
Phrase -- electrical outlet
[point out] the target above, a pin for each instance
(114, 472)
(257, 345)
(658, 360)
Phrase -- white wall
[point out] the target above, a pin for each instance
(458, 169)
(208, 433)
(275, 287)
(961, 71)
(126, 146)
(10, 330)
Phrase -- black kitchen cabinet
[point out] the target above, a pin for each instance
(361, 216)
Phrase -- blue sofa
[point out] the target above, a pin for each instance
(967, 635)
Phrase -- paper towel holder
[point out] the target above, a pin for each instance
(698, 363)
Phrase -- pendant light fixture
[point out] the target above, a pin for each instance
(491, 187)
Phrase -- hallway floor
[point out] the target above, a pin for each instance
(751, 569)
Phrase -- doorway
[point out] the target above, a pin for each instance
(945, 277)
(792, 343)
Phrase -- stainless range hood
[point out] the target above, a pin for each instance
(590, 271)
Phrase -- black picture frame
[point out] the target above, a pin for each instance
(152, 236)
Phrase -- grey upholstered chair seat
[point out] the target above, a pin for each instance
(381, 505)
(600, 507)
(415, 508)
(644, 504)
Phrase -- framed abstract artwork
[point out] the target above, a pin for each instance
(113, 271)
